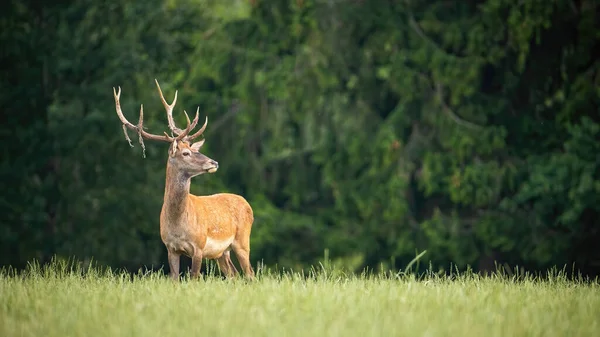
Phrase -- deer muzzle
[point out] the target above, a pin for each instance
(214, 168)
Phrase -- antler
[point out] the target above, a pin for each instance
(169, 109)
(139, 128)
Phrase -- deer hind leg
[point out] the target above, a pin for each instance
(242, 252)
(231, 265)
(226, 265)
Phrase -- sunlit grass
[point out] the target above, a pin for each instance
(62, 301)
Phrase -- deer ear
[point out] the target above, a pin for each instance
(197, 145)
(173, 149)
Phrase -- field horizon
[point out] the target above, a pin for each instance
(62, 299)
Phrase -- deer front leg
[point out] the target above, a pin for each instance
(174, 265)
(196, 263)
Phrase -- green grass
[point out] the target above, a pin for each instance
(57, 301)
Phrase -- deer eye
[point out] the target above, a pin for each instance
(186, 153)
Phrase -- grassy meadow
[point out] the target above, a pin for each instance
(61, 301)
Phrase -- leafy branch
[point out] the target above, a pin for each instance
(440, 94)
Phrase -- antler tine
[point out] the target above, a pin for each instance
(201, 130)
(138, 128)
(120, 113)
(169, 109)
(194, 121)
(148, 135)
(189, 127)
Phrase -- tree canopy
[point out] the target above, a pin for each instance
(370, 130)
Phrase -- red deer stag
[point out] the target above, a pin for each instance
(197, 226)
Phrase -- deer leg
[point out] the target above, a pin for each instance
(243, 256)
(234, 270)
(196, 263)
(174, 264)
(224, 266)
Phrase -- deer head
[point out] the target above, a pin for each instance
(184, 155)
(187, 159)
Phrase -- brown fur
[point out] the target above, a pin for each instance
(196, 226)
(187, 221)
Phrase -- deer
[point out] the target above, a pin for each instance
(200, 227)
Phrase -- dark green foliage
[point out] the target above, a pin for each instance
(372, 130)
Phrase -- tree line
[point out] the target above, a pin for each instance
(369, 131)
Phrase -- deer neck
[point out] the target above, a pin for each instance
(177, 190)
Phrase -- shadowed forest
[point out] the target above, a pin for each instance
(366, 132)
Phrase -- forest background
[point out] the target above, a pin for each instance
(362, 131)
